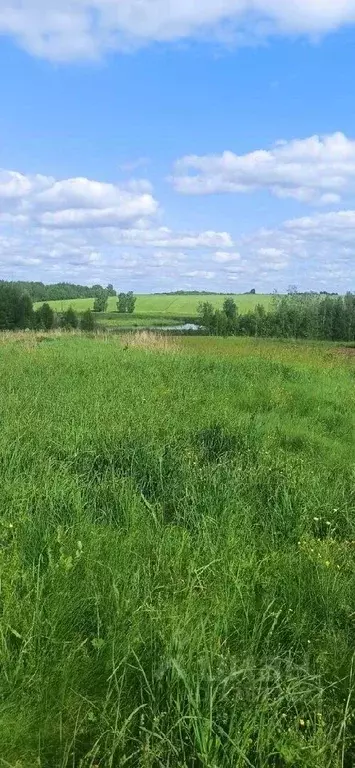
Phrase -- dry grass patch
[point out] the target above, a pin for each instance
(29, 339)
(150, 341)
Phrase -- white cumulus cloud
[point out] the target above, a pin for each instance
(311, 251)
(91, 231)
(163, 237)
(75, 29)
(318, 169)
(335, 225)
(77, 202)
(201, 273)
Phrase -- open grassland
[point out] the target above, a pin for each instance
(177, 553)
(179, 306)
(314, 354)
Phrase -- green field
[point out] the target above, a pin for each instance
(177, 553)
(182, 306)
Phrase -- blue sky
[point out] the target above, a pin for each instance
(197, 144)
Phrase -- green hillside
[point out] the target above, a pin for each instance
(183, 306)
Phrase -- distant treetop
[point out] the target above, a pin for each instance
(59, 291)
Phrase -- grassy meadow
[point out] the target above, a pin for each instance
(167, 306)
(177, 553)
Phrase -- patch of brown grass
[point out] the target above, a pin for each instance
(31, 339)
(26, 337)
(150, 341)
(346, 351)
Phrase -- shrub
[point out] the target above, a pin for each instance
(87, 322)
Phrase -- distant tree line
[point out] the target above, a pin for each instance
(59, 291)
(17, 313)
(297, 315)
(45, 319)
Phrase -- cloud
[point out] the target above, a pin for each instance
(224, 257)
(163, 237)
(335, 225)
(139, 185)
(26, 262)
(15, 186)
(201, 273)
(73, 203)
(319, 169)
(272, 253)
(310, 251)
(130, 210)
(64, 30)
(90, 231)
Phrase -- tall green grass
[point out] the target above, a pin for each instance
(176, 557)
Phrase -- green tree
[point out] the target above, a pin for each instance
(247, 324)
(339, 325)
(230, 309)
(126, 303)
(15, 307)
(206, 315)
(24, 312)
(110, 290)
(349, 310)
(101, 301)
(260, 320)
(96, 290)
(221, 323)
(69, 319)
(326, 318)
(130, 302)
(45, 317)
(122, 303)
(87, 322)
(8, 296)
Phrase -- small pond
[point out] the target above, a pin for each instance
(183, 328)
